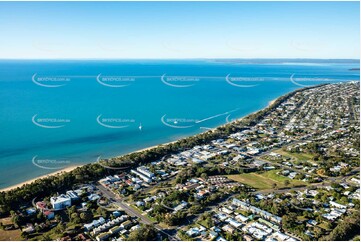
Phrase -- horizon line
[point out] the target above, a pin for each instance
(190, 58)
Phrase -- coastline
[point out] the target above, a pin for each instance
(65, 170)
(271, 102)
(71, 168)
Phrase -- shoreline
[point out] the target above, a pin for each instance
(71, 168)
(65, 170)
(271, 102)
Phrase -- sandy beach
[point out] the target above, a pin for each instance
(68, 169)
(271, 102)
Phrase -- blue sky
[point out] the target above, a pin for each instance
(37, 30)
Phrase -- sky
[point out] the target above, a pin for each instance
(166, 30)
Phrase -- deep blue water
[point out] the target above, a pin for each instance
(49, 109)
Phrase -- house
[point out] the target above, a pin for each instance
(312, 222)
(93, 197)
(259, 196)
(41, 205)
(127, 224)
(212, 235)
(193, 232)
(226, 210)
(292, 175)
(234, 223)
(221, 216)
(337, 205)
(139, 203)
(115, 229)
(135, 227)
(256, 210)
(142, 176)
(102, 236)
(116, 214)
(44, 209)
(94, 224)
(229, 229)
(247, 238)
(259, 163)
(182, 205)
(241, 218)
(280, 236)
(145, 171)
(220, 238)
(197, 161)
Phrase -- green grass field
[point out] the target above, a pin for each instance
(297, 156)
(264, 180)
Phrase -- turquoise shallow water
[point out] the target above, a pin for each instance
(55, 114)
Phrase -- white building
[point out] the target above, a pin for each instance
(337, 205)
(145, 171)
(60, 202)
(142, 176)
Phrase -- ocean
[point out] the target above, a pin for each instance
(60, 113)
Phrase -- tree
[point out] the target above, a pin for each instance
(344, 200)
(101, 211)
(209, 222)
(75, 218)
(60, 228)
(286, 182)
(15, 218)
(45, 237)
(70, 211)
(195, 209)
(146, 232)
(58, 218)
(204, 176)
(346, 229)
(289, 220)
(86, 217)
(40, 216)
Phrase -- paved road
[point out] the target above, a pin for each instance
(134, 213)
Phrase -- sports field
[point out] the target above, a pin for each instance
(264, 180)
